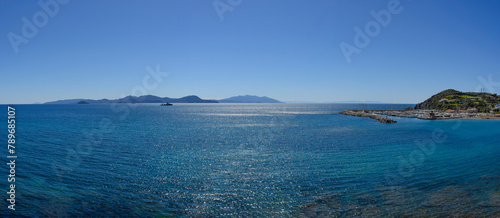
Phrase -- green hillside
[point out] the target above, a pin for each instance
(455, 100)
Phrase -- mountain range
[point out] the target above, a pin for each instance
(249, 99)
(135, 99)
(156, 99)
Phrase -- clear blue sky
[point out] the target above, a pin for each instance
(284, 49)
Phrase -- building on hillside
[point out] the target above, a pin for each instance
(446, 100)
(472, 110)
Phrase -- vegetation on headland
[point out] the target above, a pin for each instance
(450, 99)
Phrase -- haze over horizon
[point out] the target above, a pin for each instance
(323, 51)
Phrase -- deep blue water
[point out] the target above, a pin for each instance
(258, 160)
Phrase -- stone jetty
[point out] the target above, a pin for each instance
(436, 114)
(363, 113)
(420, 114)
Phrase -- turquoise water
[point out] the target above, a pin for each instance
(258, 160)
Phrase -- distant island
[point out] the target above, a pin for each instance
(249, 99)
(135, 99)
(448, 104)
(156, 99)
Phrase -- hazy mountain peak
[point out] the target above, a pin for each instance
(249, 99)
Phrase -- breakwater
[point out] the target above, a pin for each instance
(420, 114)
(363, 113)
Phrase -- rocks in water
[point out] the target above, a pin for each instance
(357, 113)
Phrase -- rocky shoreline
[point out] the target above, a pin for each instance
(420, 114)
(436, 115)
(364, 113)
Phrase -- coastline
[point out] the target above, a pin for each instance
(420, 114)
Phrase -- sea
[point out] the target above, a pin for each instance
(246, 160)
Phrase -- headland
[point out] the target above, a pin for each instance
(448, 104)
